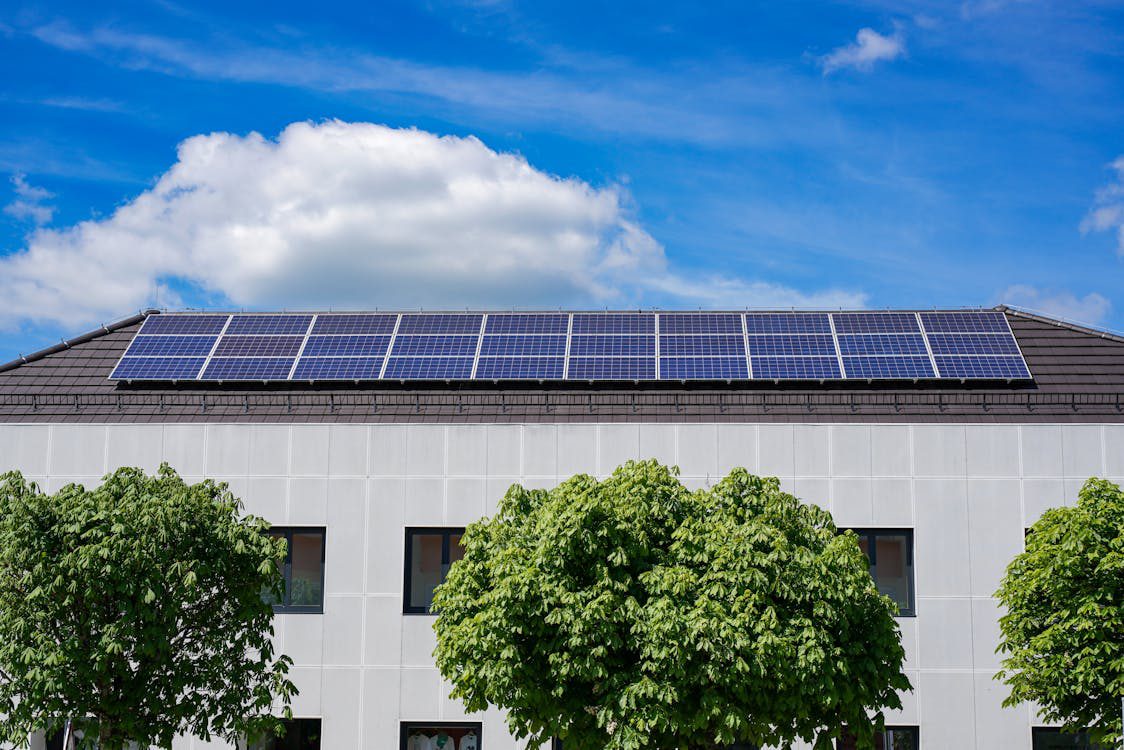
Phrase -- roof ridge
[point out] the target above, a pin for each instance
(106, 328)
(1041, 317)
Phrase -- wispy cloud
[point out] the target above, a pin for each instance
(1093, 308)
(868, 48)
(30, 203)
(1108, 208)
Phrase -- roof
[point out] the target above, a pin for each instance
(1078, 377)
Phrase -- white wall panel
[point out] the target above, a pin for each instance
(540, 449)
(617, 443)
(775, 451)
(941, 538)
(269, 449)
(347, 450)
(24, 448)
(77, 450)
(577, 449)
(658, 441)
(698, 449)
(992, 450)
(938, 450)
(134, 445)
(851, 451)
(994, 530)
(737, 447)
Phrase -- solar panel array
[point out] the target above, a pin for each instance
(616, 346)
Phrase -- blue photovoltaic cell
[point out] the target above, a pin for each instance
(248, 368)
(615, 323)
(787, 323)
(338, 368)
(983, 367)
(700, 323)
(158, 368)
(355, 325)
(268, 325)
(183, 324)
(429, 368)
(259, 346)
(702, 346)
(520, 368)
(346, 346)
(440, 324)
(888, 367)
(973, 343)
(876, 322)
(796, 368)
(171, 346)
(965, 322)
(612, 368)
(703, 368)
(612, 346)
(434, 346)
(523, 346)
(882, 343)
(787, 346)
(527, 323)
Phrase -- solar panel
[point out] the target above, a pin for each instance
(888, 367)
(703, 368)
(266, 325)
(702, 346)
(700, 323)
(973, 343)
(158, 368)
(614, 323)
(796, 368)
(504, 323)
(258, 346)
(440, 324)
(248, 368)
(792, 346)
(787, 323)
(354, 325)
(987, 321)
(171, 346)
(183, 324)
(878, 343)
(346, 346)
(612, 368)
(523, 346)
(434, 346)
(520, 368)
(876, 322)
(613, 346)
(429, 368)
(338, 368)
(999, 368)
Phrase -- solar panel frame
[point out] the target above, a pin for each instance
(875, 322)
(612, 346)
(338, 368)
(703, 368)
(611, 368)
(268, 325)
(791, 345)
(519, 368)
(258, 346)
(347, 324)
(248, 368)
(797, 368)
(157, 368)
(888, 367)
(877, 344)
(973, 321)
(183, 324)
(674, 324)
(170, 345)
(718, 345)
(447, 324)
(540, 324)
(346, 346)
(973, 343)
(428, 368)
(523, 346)
(431, 345)
(614, 323)
(791, 323)
(980, 367)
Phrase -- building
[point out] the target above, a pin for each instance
(924, 430)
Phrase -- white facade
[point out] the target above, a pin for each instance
(967, 491)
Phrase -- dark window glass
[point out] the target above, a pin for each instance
(440, 736)
(303, 570)
(1055, 739)
(890, 552)
(556, 744)
(894, 738)
(299, 734)
(429, 555)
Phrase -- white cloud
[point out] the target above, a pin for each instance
(29, 204)
(868, 48)
(1092, 309)
(1108, 208)
(360, 215)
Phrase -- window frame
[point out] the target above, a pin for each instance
(285, 607)
(446, 532)
(1040, 730)
(475, 726)
(913, 729)
(870, 532)
(245, 744)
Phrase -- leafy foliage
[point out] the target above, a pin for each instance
(136, 609)
(1064, 628)
(632, 613)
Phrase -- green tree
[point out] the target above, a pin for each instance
(1063, 633)
(633, 613)
(136, 610)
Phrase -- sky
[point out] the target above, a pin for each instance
(499, 154)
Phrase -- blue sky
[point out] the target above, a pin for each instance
(492, 153)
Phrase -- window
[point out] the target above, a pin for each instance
(556, 744)
(894, 738)
(1055, 739)
(890, 552)
(440, 735)
(299, 734)
(429, 553)
(303, 570)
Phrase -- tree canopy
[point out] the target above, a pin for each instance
(633, 613)
(136, 610)
(1063, 632)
